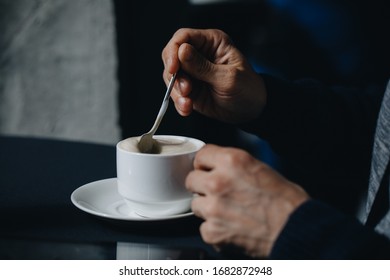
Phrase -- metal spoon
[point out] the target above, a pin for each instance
(146, 143)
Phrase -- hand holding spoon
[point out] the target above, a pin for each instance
(146, 143)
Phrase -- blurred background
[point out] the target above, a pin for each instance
(57, 70)
(91, 70)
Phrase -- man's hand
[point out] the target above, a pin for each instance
(243, 201)
(214, 78)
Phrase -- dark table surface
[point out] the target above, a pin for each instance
(39, 221)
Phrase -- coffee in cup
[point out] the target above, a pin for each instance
(153, 185)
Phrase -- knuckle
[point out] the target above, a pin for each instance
(233, 72)
(216, 185)
(223, 35)
(262, 168)
(181, 31)
(212, 209)
(233, 157)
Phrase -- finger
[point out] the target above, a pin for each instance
(183, 105)
(181, 97)
(180, 93)
(206, 158)
(195, 64)
(170, 58)
(203, 40)
(170, 52)
(214, 232)
(196, 182)
(197, 205)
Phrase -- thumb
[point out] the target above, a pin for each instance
(195, 64)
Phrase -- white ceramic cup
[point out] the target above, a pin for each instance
(153, 185)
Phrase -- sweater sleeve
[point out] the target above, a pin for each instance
(324, 136)
(317, 231)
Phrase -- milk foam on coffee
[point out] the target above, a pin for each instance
(169, 145)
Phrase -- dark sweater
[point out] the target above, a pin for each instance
(326, 136)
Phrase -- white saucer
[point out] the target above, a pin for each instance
(101, 198)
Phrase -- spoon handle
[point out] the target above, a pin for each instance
(164, 105)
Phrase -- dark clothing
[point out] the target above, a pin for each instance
(317, 231)
(326, 135)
